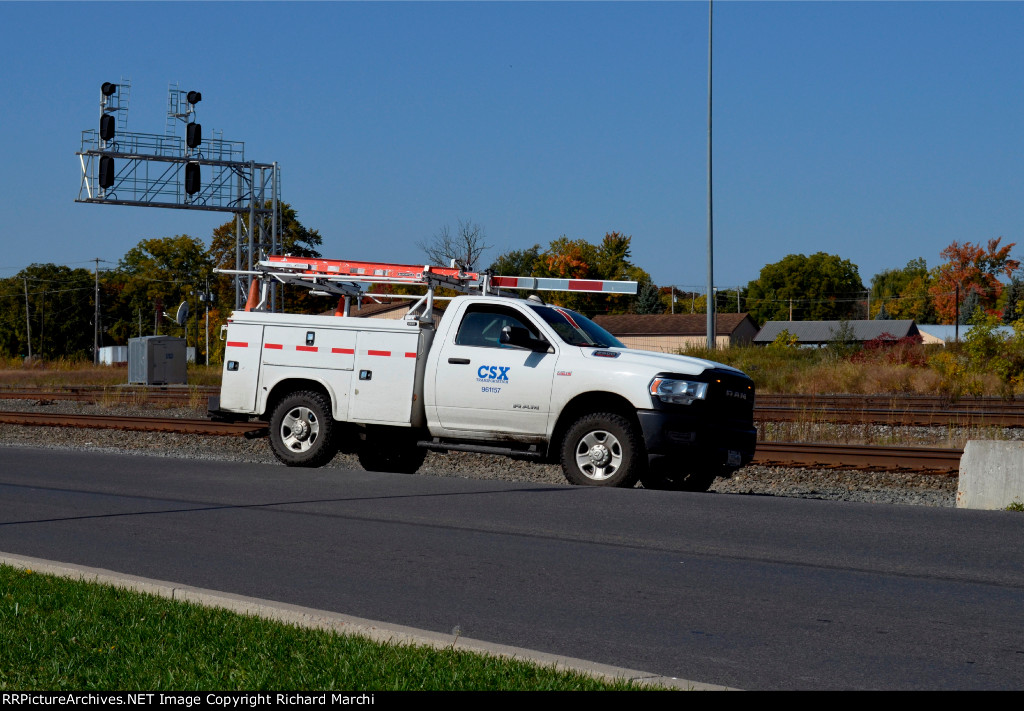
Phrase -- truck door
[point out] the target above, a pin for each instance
(484, 386)
(241, 367)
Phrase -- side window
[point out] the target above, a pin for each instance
(482, 324)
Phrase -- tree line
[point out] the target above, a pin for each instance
(49, 310)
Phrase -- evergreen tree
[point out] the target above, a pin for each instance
(1014, 309)
(648, 300)
(969, 307)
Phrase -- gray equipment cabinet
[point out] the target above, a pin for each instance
(156, 360)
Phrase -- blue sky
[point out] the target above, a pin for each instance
(877, 131)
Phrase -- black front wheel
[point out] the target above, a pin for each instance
(602, 449)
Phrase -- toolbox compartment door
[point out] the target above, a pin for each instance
(383, 384)
(241, 367)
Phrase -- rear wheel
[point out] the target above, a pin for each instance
(602, 449)
(302, 431)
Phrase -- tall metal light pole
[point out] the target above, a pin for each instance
(711, 269)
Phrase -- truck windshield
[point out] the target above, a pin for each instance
(575, 329)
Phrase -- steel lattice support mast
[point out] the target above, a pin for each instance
(120, 167)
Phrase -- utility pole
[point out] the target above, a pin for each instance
(28, 324)
(96, 319)
(42, 321)
(206, 300)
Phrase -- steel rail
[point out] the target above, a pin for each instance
(906, 418)
(861, 457)
(891, 400)
(136, 424)
(857, 409)
(94, 393)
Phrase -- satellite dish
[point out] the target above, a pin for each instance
(182, 314)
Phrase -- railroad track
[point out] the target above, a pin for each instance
(895, 417)
(169, 395)
(891, 400)
(895, 410)
(137, 424)
(859, 457)
(790, 454)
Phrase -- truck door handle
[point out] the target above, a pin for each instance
(459, 361)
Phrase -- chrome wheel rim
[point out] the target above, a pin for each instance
(599, 455)
(300, 429)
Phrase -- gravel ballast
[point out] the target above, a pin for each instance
(839, 485)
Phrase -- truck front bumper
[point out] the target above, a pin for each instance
(692, 440)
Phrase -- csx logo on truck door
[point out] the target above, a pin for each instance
(492, 372)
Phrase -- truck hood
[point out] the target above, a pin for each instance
(684, 365)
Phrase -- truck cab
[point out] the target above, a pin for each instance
(528, 373)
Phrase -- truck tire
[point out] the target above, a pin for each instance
(602, 449)
(302, 431)
(379, 452)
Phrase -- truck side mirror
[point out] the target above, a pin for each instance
(521, 337)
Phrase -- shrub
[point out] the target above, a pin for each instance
(887, 348)
(988, 350)
(843, 343)
(785, 339)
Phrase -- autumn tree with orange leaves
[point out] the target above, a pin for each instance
(579, 259)
(972, 268)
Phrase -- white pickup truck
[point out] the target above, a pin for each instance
(497, 375)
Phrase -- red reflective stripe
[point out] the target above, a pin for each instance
(586, 285)
(311, 349)
(510, 282)
(378, 353)
(410, 355)
(237, 344)
(274, 346)
(350, 351)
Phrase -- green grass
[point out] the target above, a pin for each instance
(58, 634)
(1015, 506)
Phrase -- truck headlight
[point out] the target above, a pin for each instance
(679, 392)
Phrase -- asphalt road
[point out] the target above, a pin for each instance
(744, 591)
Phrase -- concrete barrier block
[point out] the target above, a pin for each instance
(991, 475)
